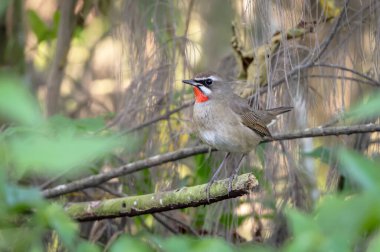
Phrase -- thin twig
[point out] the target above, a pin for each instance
(160, 118)
(183, 224)
(314, 59)
(343, 68)
(162, 201)
(163, 223)
(98, 179)
(333, 32)
(321, 76)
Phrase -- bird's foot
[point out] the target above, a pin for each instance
(230, 181)
(208, 187)
(234, 174)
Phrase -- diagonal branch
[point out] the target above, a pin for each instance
(98, 179)
(161, 201)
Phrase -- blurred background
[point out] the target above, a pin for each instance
(120, 63)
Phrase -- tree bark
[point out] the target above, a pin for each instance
(161, 201)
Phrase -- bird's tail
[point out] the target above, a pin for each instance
(279, 110)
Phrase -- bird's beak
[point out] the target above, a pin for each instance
(190, 82)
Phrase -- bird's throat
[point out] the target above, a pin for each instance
(199, 95)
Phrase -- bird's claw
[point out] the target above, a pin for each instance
(230, 180)
(208, 187)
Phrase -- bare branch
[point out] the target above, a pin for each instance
(343, 68)
(333, 32)
(161, 201)
(327, 131)
(95, 180)
(98, 179)
(321, 76)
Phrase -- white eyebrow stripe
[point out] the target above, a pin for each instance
(212, 77)
(215, 78)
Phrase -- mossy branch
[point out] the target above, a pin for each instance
(161, 201)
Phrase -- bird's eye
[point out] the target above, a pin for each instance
(208, 81)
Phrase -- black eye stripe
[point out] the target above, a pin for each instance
(205, 82)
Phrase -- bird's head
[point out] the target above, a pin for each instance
(207, 85)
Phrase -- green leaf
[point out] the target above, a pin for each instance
(307, 236)
(260, 152)
(58, 153)
(126, 243)
(178, 243)
(21, 198)
(87, 247)
(189, 244)
(360, 169)
(368, 108)
(300, 223)
(60, 222)
(374, 244)
(56, 19)
(325, 154)
(203, 168)
(16, 103)
(38, 26)
(229, 218)
(212, 245)
(59, 122)
(3, 7)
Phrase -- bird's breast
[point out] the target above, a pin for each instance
(218, 126)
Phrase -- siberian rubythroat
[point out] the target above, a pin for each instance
(225, 120)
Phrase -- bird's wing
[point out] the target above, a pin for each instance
(256, 120)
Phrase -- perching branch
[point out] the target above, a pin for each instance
(98, 179)
(161, 201)
(327, 131)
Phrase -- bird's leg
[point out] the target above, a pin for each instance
(234, 174)
(212, 180)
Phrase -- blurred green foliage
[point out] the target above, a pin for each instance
(31, 144)
(40, 28)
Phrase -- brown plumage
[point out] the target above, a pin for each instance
(225, 120)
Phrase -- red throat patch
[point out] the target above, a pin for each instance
(199, 96)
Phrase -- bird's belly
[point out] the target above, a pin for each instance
(223, 130)
(238, 140)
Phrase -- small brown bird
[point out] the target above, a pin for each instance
(225, 120)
